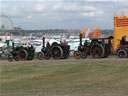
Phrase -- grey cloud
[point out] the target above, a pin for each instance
(63, 13)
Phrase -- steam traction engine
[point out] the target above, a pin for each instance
(122, 50)
(23, 52)
(97, 48)
(56, 51)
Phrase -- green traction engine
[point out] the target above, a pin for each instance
(21, 53)
(55, 51)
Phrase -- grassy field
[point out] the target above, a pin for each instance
(71, 77)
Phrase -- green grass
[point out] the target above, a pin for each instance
(71, 77)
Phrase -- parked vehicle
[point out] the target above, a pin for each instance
(56, 51)
(22, 52)
(99, 47)
(122, 50)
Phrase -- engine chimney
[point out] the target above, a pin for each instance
(43, 41)
(80, 39)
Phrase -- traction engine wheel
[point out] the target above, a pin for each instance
(97, 51)
(122, 53)
(57, 52)
(40, 55)
(77, 54)
(10, 57)
(23, 55)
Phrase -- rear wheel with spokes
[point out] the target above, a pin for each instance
(97, 51)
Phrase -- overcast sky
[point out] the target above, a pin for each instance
(62, 14)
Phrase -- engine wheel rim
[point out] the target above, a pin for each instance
(122, 54)
(22, 55)
(97, 51)
(57, 52)
(40, 55)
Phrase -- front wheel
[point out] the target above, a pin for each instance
(10, 57)
(77, 54)
(122, 53)
(40, 55)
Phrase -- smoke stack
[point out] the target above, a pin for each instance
(13, 46)
(43, 41)
(80, 39)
